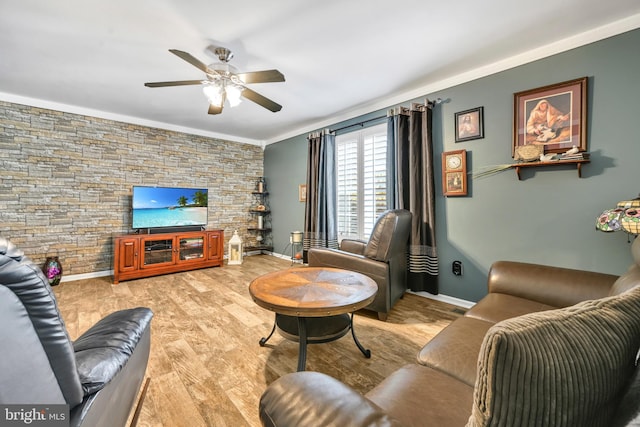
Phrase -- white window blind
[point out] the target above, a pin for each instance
(361, 180)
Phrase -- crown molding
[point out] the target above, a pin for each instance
(73, 109)
(582, 39)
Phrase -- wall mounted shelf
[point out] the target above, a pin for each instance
(577, 163)
(262, 229)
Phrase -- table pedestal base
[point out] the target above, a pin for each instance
(314, 330)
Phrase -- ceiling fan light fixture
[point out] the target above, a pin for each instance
(233, 94)
(223, 82)
(213, 92)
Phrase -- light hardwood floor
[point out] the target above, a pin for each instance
(206, 366)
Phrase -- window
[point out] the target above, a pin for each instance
(361, 162)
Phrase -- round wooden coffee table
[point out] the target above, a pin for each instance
(313, 304)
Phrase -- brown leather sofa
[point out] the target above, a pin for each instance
(547, 346)
(383, 258)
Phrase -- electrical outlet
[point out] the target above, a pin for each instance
(456, 268)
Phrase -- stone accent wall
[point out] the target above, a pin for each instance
(66, 181)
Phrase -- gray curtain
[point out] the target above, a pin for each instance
(410, 186)
(320, 211)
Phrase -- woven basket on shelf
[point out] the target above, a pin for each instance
(528, 153)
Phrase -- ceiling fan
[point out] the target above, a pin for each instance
(223, 82)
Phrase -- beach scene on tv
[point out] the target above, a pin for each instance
(169, 207)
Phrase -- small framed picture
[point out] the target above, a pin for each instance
(553, 116)
(469, 124)
(302, 192)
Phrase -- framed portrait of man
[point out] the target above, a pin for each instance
(469, 124)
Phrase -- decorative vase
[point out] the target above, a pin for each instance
(260, 185)
(53, 270)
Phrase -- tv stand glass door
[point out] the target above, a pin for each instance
(156, 251)
(190, 248)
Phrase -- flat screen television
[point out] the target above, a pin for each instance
(158, 207)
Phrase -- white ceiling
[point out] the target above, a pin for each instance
(341, 58)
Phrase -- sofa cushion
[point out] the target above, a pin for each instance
(454, 350)
(496, 307)
(560, 367)
(418, 396)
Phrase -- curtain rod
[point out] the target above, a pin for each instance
(358, 124)
(427, 102)
(362, 123)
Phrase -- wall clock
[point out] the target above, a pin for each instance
(454, 173)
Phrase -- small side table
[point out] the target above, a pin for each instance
(296, 246)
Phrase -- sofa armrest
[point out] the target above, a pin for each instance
(556, 286)
(105, 348)
(316, 399)
(353, 246)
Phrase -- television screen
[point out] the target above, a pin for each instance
(155, 207)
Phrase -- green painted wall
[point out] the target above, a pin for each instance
(288, 168)
(549, 216)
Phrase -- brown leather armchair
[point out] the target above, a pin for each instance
(383, 258)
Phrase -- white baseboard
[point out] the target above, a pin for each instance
(277, 255)
(443, 298)
(83, 276)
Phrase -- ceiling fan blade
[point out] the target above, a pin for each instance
(266, 76)
(176, 83)
(215, 109)
(261, 100)
(191, 60)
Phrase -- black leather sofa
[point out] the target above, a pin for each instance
(98, 376)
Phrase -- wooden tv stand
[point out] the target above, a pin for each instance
(144, 255)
